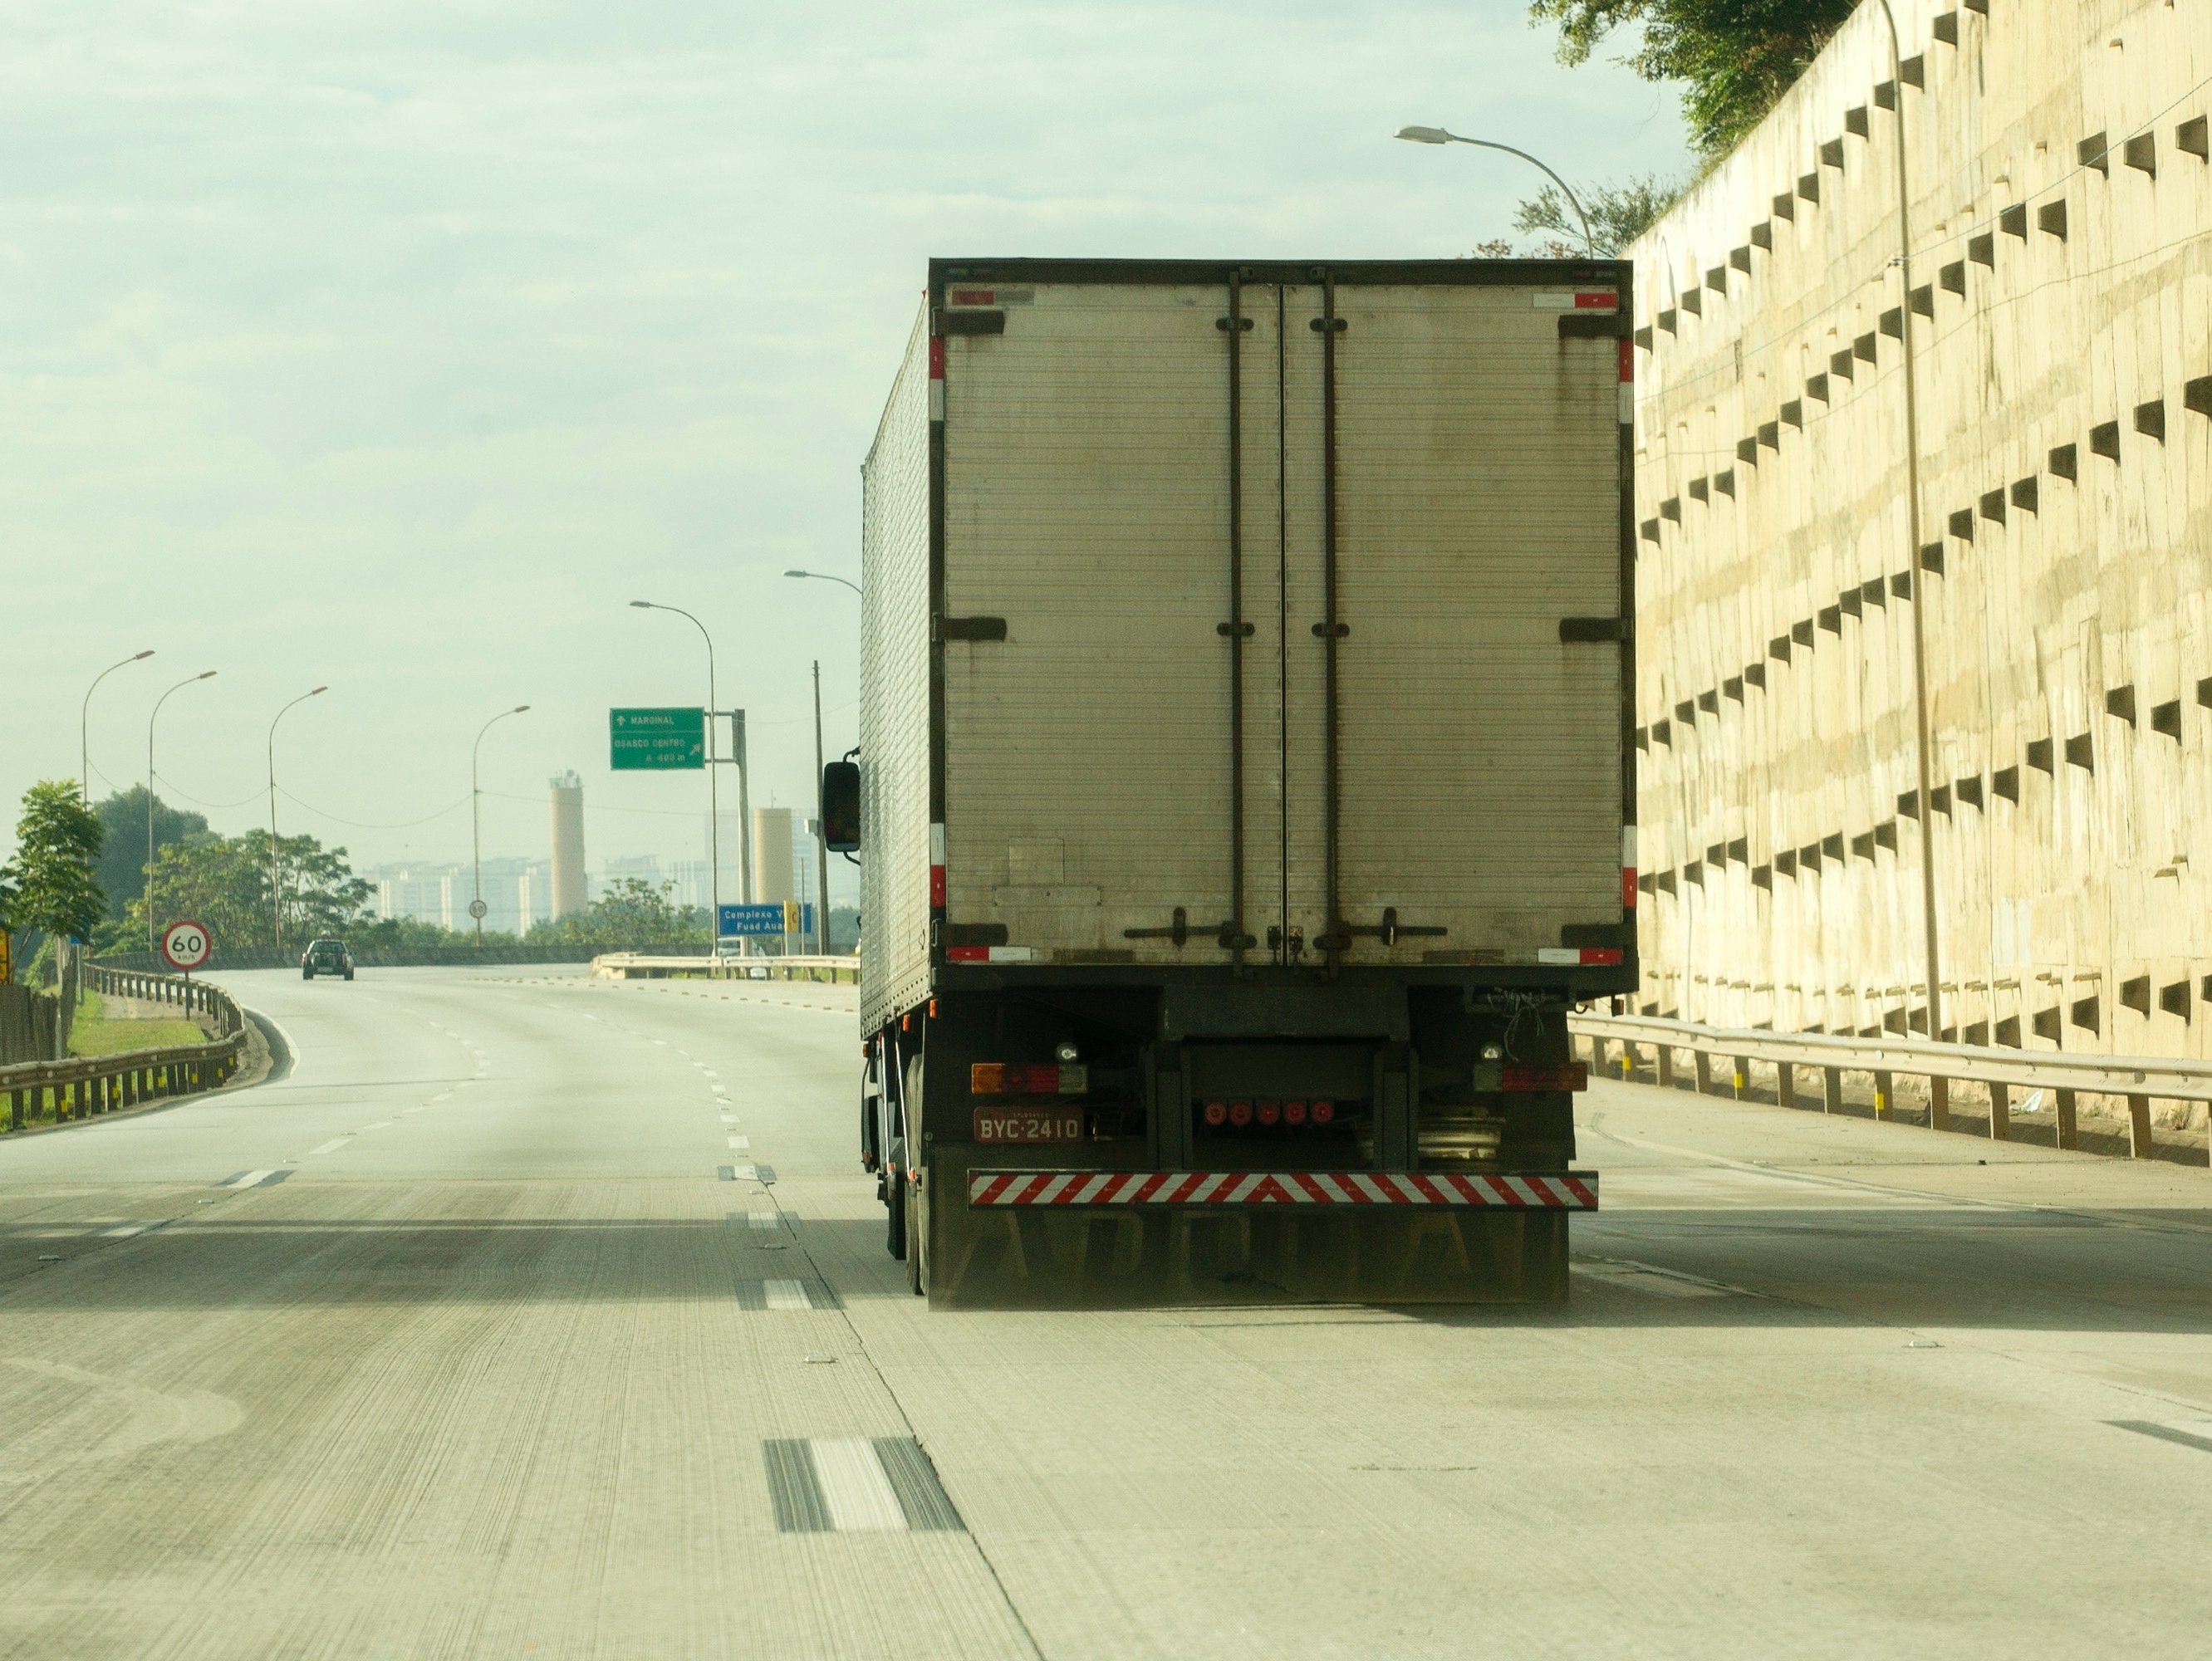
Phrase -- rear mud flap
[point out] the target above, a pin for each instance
(1061, 1257)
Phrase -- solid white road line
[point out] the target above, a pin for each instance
(859, 1496)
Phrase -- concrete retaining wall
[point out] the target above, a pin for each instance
(2061, 278)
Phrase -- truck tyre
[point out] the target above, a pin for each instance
(349, 974)
(307, 974)
(917, 1238)
(895, 1206)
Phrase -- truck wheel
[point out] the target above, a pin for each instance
(894, 1208)
(917, 1238)
(306, 974)
(349, 974)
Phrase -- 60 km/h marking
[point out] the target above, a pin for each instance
(186, 945)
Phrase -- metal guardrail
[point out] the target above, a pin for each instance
(84, 1087)
(646, 965)
(2140, 1079)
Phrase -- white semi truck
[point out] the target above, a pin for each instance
(1246, 789)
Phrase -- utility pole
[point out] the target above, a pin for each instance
(152, 932)
(276, 867)
(477, 906)
(821, 832)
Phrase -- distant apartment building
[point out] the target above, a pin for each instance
(517, 893)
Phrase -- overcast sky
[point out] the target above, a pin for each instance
(397, 345)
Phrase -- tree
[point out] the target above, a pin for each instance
(1736, 58)
(222, 882)
(49, 883)
(1618, 214)
(630, 916)
(124, 860)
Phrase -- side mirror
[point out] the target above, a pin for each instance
(840, 806)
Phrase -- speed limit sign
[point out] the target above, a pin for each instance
(478, 909)
(186, 945)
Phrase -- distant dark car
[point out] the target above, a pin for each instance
(325, 957)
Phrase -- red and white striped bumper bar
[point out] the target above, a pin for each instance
(1551, 1191)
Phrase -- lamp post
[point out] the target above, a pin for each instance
(476, 819)
(1939, 1104)
(824, 577)
(205, 674)
(821, 830)
(275, 869)
(84, 719)
(715, 794)
(1439, 135)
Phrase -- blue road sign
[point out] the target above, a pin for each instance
(789, 918)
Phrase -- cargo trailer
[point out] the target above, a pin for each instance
(1245, 787)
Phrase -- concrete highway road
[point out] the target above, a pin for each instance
(456, 1340)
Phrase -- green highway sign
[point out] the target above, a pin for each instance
(657, 739)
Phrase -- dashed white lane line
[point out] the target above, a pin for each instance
(743, 1144)
(331, 1147)
(381, 1124)
(857, 1495)
(785, 1294)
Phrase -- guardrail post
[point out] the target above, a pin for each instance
(1785, 1083)
(2000, 1113)
(1666, 1065)
(1742, 1076)
(2140, 1144)
(2068, 1127)
(1939, 1103)
(1831, 1079)
(1883, 1101)
(1704, 1065)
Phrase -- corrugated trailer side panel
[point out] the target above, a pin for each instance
(1086, 508)
(894, 696)
(1478, 483)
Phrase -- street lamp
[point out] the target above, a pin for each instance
(203, 675)
(824, 577)
(715, 794)
(476, 818)
(84, 717)
(821, 832)
(276, 872)
(1439, 135)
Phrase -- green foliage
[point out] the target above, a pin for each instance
(631, 916)
(49, 883)
(224, 883)
(1618, 214)
(122, 869)
(1735, 57)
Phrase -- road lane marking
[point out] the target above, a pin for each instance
(254, 1180)
(743, 1144)
(2164, 1433)
(856, 1485)
(331, 1147)
(1657, 1282)
(771, 1222)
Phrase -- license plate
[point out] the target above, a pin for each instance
(1029, 1124)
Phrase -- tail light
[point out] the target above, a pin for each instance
(1294, 1112)
(1269, 1112)
(993, 1078)
(1324, 1112)
(1240, 1112)
(1575, 1076)
(1216, 1112)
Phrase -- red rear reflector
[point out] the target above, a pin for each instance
(1240, 1112)
(1606, 301)
(1573, 1076)
(1216, 1112)
(971, 297)
(1294, 1112)
(1269, 1112)
(1603, 954)
(937, 357)
(1323, 1112)
(1628, 359)
(993, 1078)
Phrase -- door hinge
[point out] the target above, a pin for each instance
(1243, 324)
(1322, 631)
(1243, 631)
(1326, 325)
